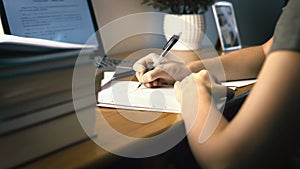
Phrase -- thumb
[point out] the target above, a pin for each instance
(143, 63)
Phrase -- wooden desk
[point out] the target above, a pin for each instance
(87, 154)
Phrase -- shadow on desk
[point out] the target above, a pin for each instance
(179, 157)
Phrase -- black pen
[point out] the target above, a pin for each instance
(166, 50)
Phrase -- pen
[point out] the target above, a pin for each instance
(166, 50)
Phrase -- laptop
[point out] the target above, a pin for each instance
(71, 21)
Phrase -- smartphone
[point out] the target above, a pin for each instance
(226, 25)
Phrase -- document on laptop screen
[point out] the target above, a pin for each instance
(58, 20)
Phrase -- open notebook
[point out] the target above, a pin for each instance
(126, 95)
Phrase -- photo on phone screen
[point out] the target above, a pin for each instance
(226, 26)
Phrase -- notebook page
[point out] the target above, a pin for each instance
(125, 94)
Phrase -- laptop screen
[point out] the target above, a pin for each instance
(70, 21)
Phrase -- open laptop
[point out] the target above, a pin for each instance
(71, 21)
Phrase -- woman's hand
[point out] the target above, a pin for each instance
(200, 97)
(169, 70)
(202, 83)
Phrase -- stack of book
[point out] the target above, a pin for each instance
(37, 115)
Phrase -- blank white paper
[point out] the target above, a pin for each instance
(126, 95)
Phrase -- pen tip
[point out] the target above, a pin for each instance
(179, 34)
(139, 85)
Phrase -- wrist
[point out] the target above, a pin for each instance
(195, 66)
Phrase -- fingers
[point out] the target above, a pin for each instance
(139, 76)
(148, 82)
(153, 75)
(212, 86)
(164, 73)
(141, 70)
(143, 63)
(155, 83)
(177, 89)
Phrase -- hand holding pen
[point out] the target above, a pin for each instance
(166, 50)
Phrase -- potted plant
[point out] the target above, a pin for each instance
(185, 16)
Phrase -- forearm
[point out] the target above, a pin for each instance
(241, 64)
(275, 119)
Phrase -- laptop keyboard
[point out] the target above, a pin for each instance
(112, 63)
